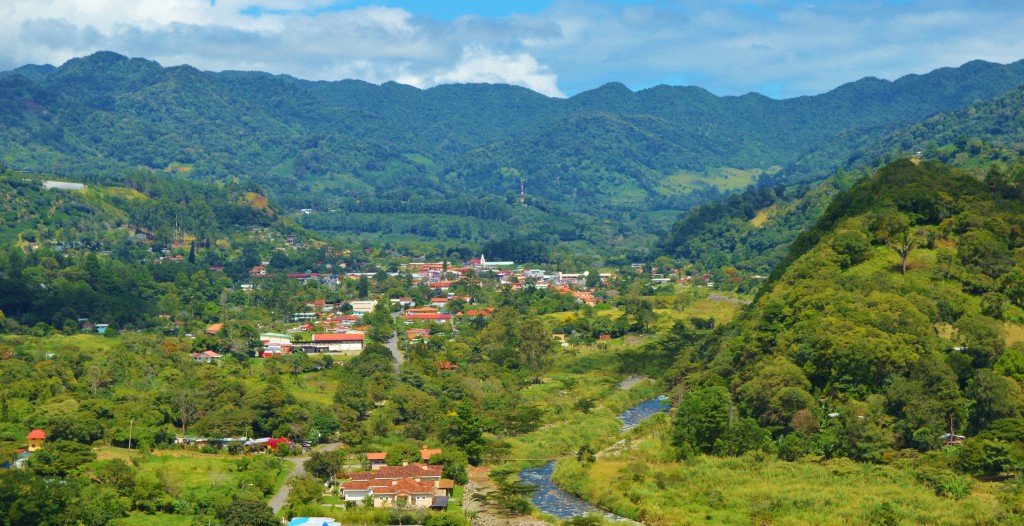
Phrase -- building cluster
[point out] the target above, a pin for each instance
(339, 327)
(416, 485)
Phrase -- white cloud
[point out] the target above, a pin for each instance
(479, 64)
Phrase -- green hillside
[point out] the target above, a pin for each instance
(141, 252)
(606, 160)
(752, 230)
(922, 342)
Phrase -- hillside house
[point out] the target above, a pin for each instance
(377, 460)
(348, 342)
(417, 334)
(426, 453)
(276, 341)
(36, 437)
(415, 485)
(363, 306)
(435, 317)
(404, 301)
(205, 357)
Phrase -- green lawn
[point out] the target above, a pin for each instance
(317, 388)
(160, 519)
(198, 472)
(191, 471)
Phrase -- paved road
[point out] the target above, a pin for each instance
(281, 498)
(393, 345)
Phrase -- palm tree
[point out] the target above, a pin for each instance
(903, 243)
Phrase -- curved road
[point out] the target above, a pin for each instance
(281, 498)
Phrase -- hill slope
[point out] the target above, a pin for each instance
(922, 341)
(752, 230)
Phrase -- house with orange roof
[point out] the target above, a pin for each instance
(435, 317)
(404, 493)
(417, 334)
(485, 312)
(346, 342)
(205, 356)
(212, 330)
(36, 437)
(414, 485)
(440, 285)
(377, 460)
(426, 453)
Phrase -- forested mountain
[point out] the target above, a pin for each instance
(897, 315)
(617, 164)
(752, 230)
(144, 251)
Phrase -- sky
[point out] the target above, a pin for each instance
(779, 48)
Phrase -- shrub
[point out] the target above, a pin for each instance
(955, 488)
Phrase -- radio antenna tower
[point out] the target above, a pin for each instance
(522, 192)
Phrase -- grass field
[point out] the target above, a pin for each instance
(192, 472)
(58, 342)
(723, 311)
(1014, 333)
(641, 483)
(722, 178)
(160, 519)
(318, 387)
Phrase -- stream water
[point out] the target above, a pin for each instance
(551, 499)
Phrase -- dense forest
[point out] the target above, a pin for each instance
(385, 160)
(752, 230)
(892, 313)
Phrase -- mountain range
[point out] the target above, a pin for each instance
(605, 170)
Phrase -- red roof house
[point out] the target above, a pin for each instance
(35, 439)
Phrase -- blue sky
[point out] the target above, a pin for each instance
(780, 48)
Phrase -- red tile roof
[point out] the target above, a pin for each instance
(428, 317)
(37, 433)
(345, 337)
(356, 485)
(482, 312)
(406, 485)
(398, 472)
(376, 456)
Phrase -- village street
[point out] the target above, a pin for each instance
(392, 344)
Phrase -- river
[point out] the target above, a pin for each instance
(551, 499)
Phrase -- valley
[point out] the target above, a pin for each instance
(207, 279)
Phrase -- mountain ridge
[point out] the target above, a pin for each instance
(314, 144)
